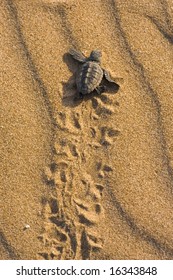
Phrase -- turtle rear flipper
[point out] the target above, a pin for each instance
(112, 84)
(109, 79)
(77, 55)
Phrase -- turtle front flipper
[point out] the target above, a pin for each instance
(77, 55)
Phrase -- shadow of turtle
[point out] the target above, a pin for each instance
(69, 87)
(72, 98)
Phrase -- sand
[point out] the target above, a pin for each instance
(90, 179)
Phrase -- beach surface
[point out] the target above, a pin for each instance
(89, 179)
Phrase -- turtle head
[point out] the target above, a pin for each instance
(95, 56)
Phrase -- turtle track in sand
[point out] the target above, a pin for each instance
(76, 179)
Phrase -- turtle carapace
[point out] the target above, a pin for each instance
(90, 73)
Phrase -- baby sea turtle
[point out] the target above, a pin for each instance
(90, 74)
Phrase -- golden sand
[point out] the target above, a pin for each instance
(92, 179)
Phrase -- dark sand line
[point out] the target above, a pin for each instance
(138, 67)
(27, 55)
(60, 11)
(9, 249)
(142, 233)
(167, 35)
(167, 17)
